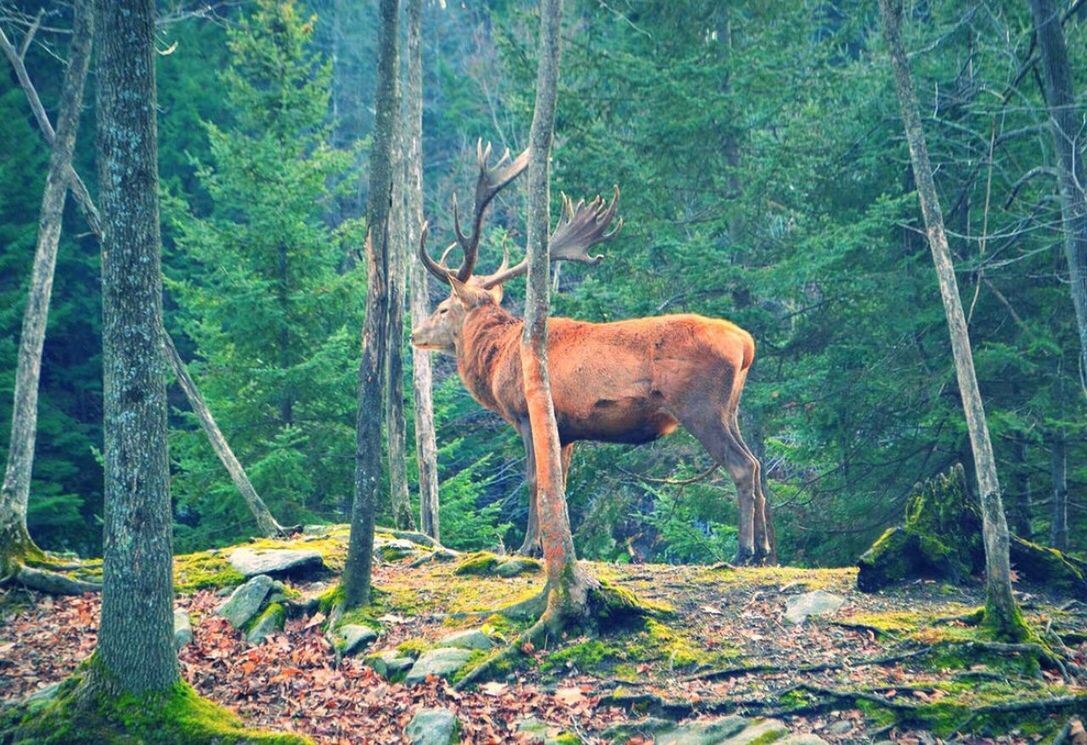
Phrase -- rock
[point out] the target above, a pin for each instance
(841, 727)
(538, 732)
(516, 566)
(245, 602)
(432, 727)
(442, 662)
(467, 639)
(730, 730)
(395, 550)
(41, 698)
(182, 629)
(801, 740)
(270, 621)
(389, 664)
(356, 638)
(317, 530)
(280, 562)
(815, 603)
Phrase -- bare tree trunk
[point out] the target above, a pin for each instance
(135, 652)
(568, 586)
(1001, 611)
(94, 221)
(1058, 520)
(395, 425)
(267, 524)
(356, 575)
(1021, 512)
(426, 449)
(15, 541)
(1066, 124)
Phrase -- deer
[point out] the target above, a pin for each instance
(630, 381)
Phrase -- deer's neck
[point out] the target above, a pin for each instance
(488, 340)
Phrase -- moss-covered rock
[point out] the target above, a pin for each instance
(941, 539)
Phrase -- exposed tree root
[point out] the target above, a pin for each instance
(54, 583)
(733, 672)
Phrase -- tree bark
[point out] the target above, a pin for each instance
(135, 651)
(267, 524)
(1023, 503)
(15, 540)
(1065, 124)
(426, 449)
(1058, 514)
(356, 575)
(1001, 611)
(568, 586)
(94, 222)
(395, 425)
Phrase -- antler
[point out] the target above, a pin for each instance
(492, 179)
(580, 228)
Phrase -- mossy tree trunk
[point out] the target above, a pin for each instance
(568, 586)
(426, 448)
(395, 425)
(16, 544)
(1002, 613)
(135, 652)
(356, 575)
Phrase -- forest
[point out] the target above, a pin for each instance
(589, 371)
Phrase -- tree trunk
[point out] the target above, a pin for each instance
(1066, 123)
(395, 426)
(1001, 611)
(267, 524)
(568, 586)
(356, 575)
(15, 540)
(94, 222)
(426, 449)
(1021, 514)
(1058, 515)
(135, 651)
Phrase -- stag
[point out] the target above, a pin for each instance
(630, 381)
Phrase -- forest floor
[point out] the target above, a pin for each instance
(892, 666)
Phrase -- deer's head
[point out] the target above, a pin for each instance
(580, 227)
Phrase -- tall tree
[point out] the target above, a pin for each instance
(356, 575)
(426, 449)
(1066, 126)
(15, 542)
(1001, 611)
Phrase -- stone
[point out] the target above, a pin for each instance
(279, 562)
(395, 549)
(389, 663)
(432, 727)
(815, 603)
(802, 739)
(841, 727)
(757, 731)
(182, 629)
(730, 730)
(356, 638)
(270, 621)
(442, 662)
(245, 602)
(41, 698)
(467, 639)
(538, 732)
(516, 566)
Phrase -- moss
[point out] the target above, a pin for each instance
(477, 658)
(480, 562)
(274, 612)
(768, 737)
(617, 607)
(413, 648)
(204, 570)
(177, 716)
(585, 655)
(567, 738)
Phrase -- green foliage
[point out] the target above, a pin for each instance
(265, 300)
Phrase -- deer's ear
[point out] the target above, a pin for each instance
(461, 292)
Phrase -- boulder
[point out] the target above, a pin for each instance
(182, 629)
(516, 566)
(245, 602)
(395, 549)
(389, 663)
(815, 603)
(270, 621)
(442, 662)
(432, 727)
(277, 562)
(467, 639)
(356, 638)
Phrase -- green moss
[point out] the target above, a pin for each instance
(585, 655)
(204, 570)
(567, 738)
(477, 658)
(767, 737)
(480, 562)
(413, 647)
(177, 716)
(617, 607)
(274, 612)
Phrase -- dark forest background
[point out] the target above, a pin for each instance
(765, 180)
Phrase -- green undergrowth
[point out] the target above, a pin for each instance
(204, 570)
(178, 716)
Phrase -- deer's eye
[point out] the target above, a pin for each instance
(443, 311)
